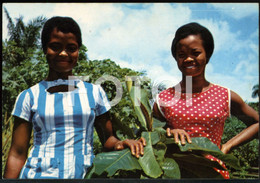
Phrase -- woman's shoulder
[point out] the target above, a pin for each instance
(219, 86)
(168, 90)
(32, 88)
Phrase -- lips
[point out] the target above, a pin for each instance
(63, 61)
(189, 66)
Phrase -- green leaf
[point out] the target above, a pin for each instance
(205, 146)
(148, 161)
(142, 107)
(155, 137)
(199, 160)
(171, 169)
(159, 152)
(111, 162)
(146, 109)
(148, 117)
(202, 145)
(90, 173)
(136, 103)
(158, 124)
(193, 166)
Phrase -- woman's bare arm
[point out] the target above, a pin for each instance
(19, 148)
(249, 116)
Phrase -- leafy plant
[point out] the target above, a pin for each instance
(162, 158)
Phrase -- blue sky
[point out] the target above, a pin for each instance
(139, 36)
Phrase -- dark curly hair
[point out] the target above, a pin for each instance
(194, 29)
(63, 24)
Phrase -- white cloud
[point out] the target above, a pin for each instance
(237, 10)
(91, 16)
(248, 67)
(141, 37)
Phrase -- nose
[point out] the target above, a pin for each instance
(63, 53)
(188, 59)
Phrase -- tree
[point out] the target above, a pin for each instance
(255, 91)
(23, 39)
(21, 58)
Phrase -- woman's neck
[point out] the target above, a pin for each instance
(58, 75)
(194, 84)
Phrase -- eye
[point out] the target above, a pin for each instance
(196, 53)
(181, 55)
(55, 47)
(71, 48)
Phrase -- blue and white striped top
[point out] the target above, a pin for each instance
(63, 128)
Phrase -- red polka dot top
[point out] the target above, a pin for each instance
(200, 114)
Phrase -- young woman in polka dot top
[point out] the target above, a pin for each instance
(195, 107)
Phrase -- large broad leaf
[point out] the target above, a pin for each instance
(148, 161)
(193, 166)
(158, 126)
(171, 169)
(111, 162)
(196, 159)
(159, 152)
(200, 143)
(203, 145)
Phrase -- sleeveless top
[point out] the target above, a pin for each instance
(199, 114)
(63, 128)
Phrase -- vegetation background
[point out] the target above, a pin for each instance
(24, 64)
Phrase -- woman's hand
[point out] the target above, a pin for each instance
(105, 131)
(136, 146)
(179, 135)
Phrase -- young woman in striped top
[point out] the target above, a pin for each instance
(62, 119)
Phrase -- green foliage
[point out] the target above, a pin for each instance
(255, 92)
(18, 78)
(6, 138)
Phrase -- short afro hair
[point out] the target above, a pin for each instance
(194, 29)
(63, 24)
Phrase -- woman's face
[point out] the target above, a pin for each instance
(62, 51)
(191, 56)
